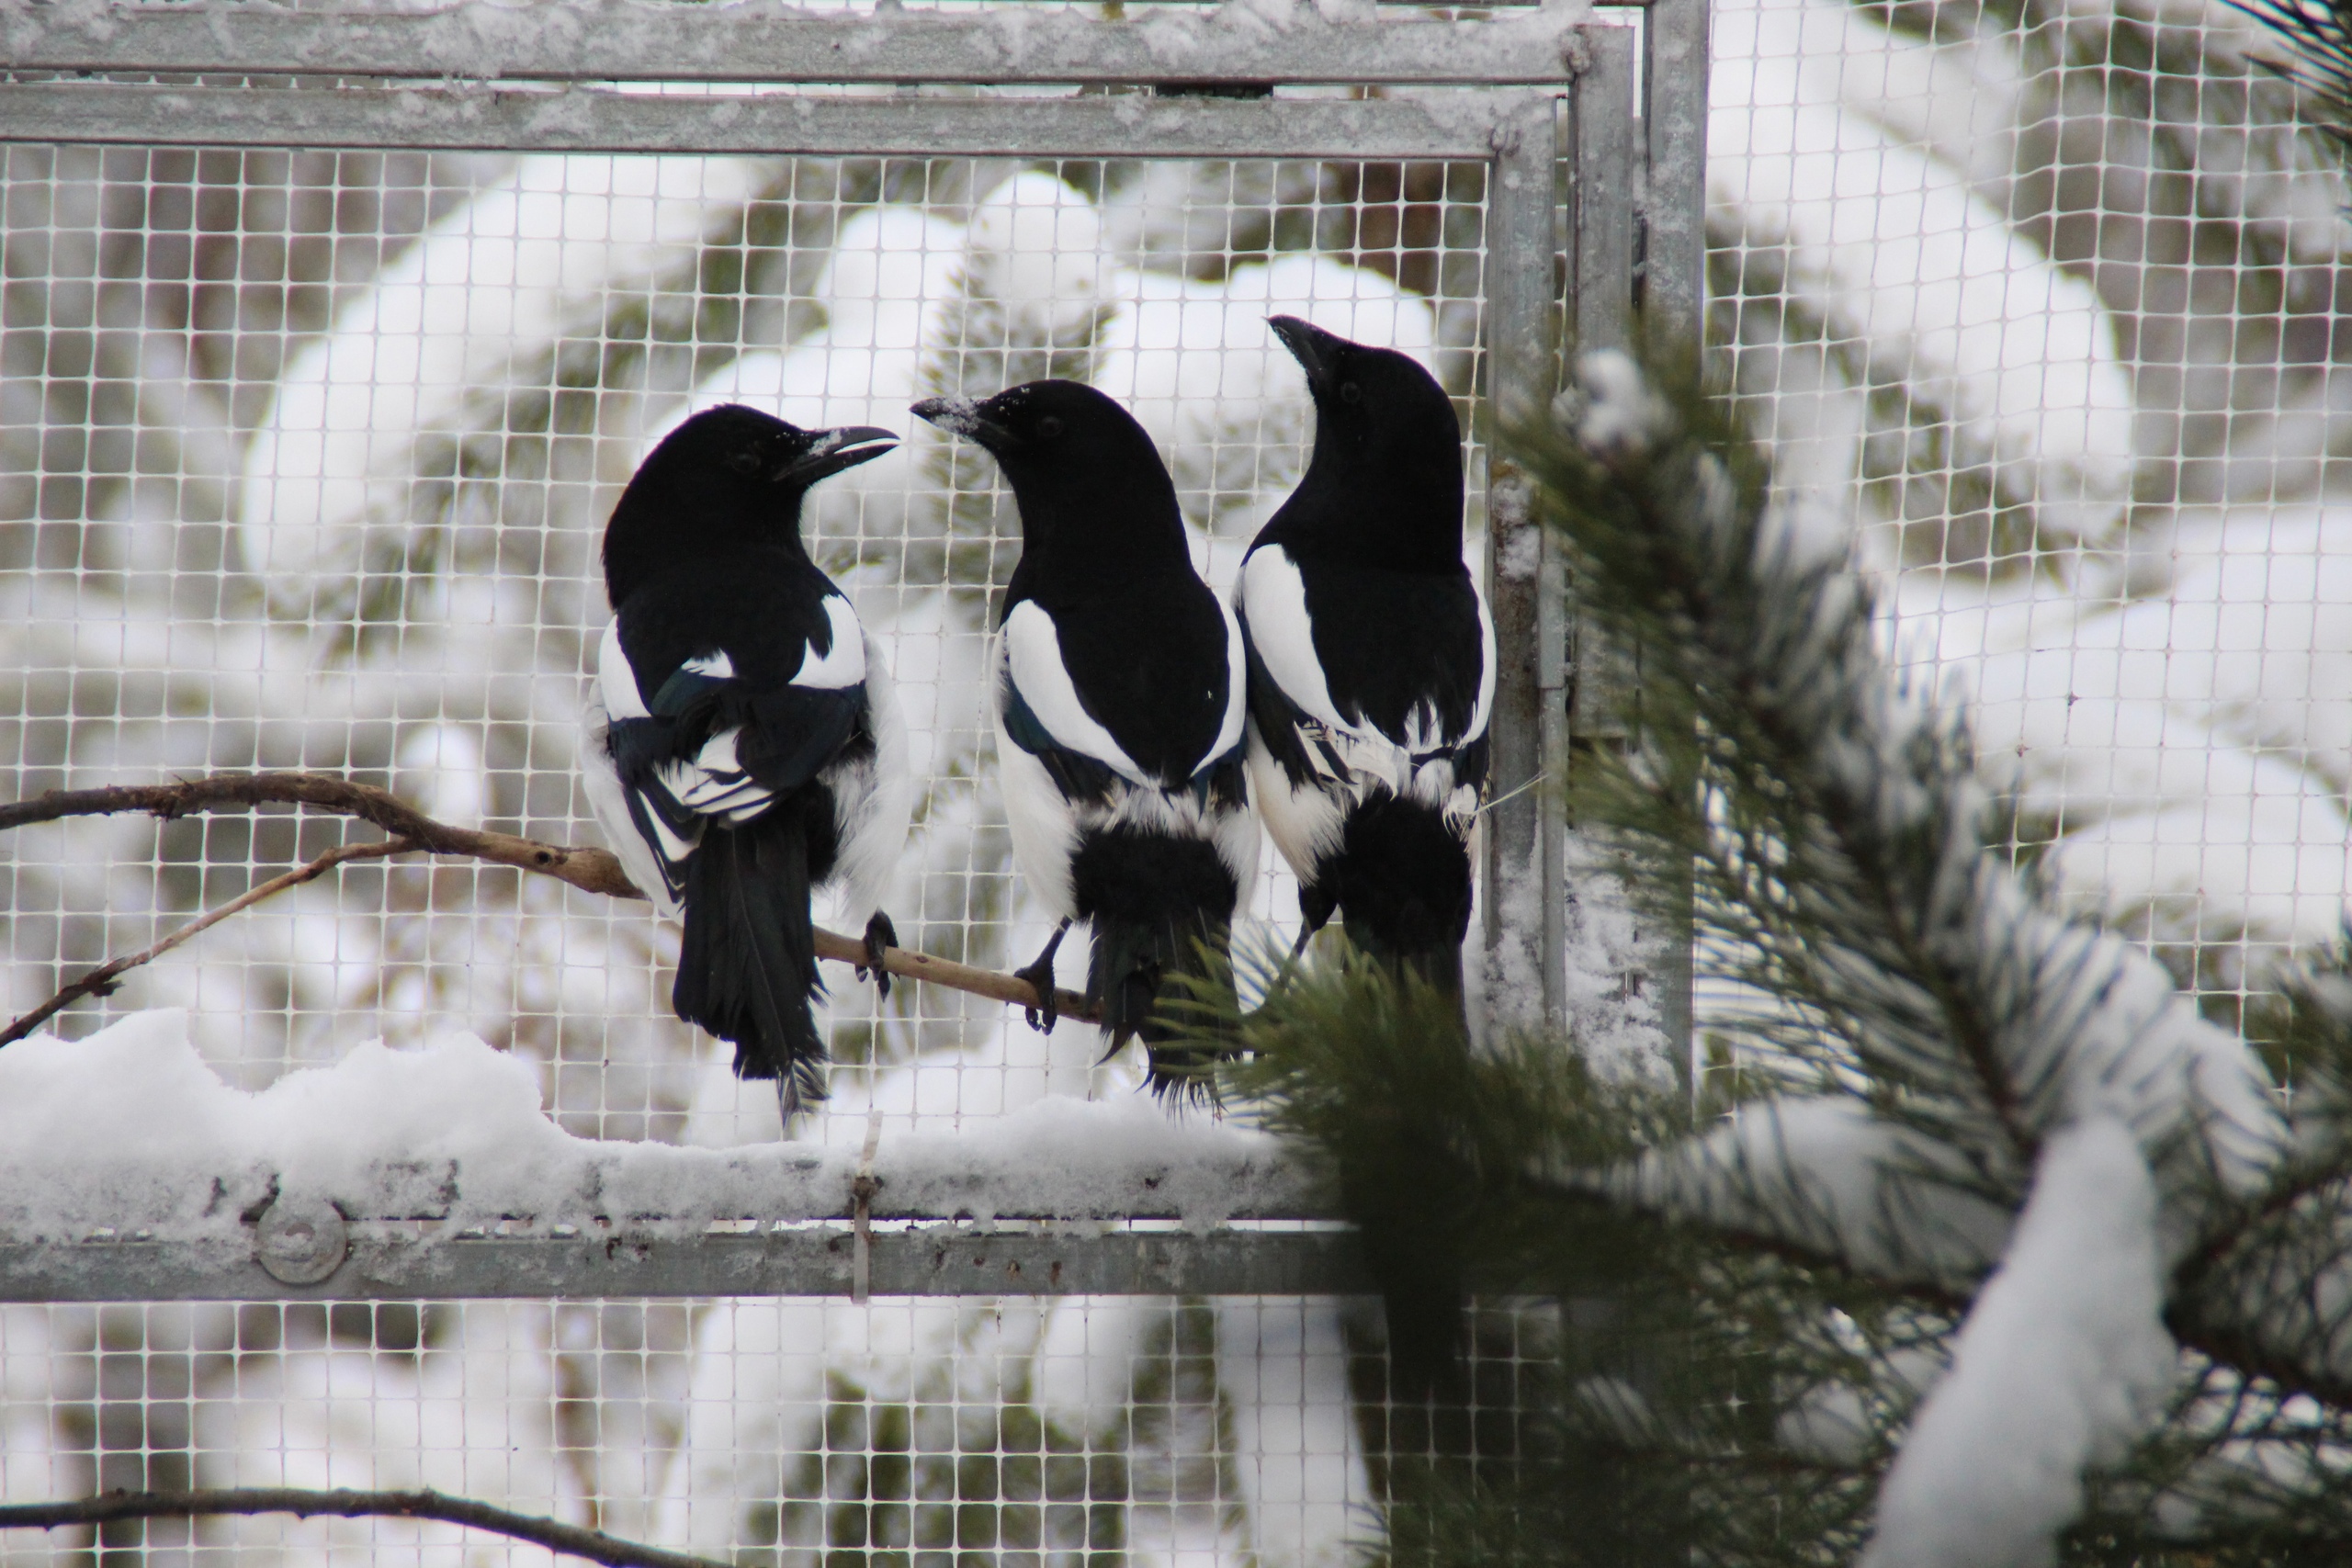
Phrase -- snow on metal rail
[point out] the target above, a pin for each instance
(628, 39)
(592, 119)
(129, 1172)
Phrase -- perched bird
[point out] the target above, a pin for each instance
(1117, 688)
(744, 744)
(1371, 675)
(1372, 661)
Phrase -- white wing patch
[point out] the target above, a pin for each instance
(843, 663)
(1033, 661)
(1274, 596)
(716, 665)
(1236, 688)
(1347, 759)
(615, 681)
(1484, 708)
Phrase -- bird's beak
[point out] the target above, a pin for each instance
(962, 416)
(831, 451)
(1305, 342)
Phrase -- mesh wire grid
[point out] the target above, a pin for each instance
(1074, 1432)
(306, 460)
(404, 394)
(2038, 301)
(2040, 304)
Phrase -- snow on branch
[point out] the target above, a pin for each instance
(413, 832)
(1841, 834)
(2062, 1364)
(1973, 1084)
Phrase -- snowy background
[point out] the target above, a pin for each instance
(303, 462)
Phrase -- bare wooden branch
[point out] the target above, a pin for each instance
(589, 870)
(569, 1540)
(103, 981)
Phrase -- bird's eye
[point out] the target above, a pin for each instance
(1349, 392)
(745, 462)
(1049, 427)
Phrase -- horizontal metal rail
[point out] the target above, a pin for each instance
(585, 120)
(931, 1260)
(627, 40)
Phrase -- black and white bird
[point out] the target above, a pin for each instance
(1372, 677)
(1371, 661)
(744, 740)
(1118, 688)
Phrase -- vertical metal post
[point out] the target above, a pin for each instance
(1674, 200)
(1628, 979)
(1673, 295)
(1606, 171)
(1524, 983)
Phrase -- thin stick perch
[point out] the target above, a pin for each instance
(569, 1540)
(589, 870)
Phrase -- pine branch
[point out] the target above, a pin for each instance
(589, 870)
(569, 1539)
(2318, 35)
(1840, 832)
(1998, 1129)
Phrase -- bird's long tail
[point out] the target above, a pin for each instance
(747, 968)
(1402, 882)
(1161, 909)
(1137, 974)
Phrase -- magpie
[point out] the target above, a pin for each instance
(1372, 678)
(1372, 661)
(1117, 685)
(743, 738)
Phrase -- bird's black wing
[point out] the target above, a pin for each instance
(754, 687)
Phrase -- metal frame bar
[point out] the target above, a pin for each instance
(629, 39)
(1517, 131)
(587, 120)
(931, 1260)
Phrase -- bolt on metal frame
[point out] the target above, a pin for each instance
(1528, 97)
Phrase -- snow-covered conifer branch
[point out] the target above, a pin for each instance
(1978, 1093)
(1840, 831)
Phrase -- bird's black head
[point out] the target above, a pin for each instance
(1387, 470)
(1092, 491)
(727, 478)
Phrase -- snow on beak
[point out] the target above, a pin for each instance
(962, 416)
(831, 451)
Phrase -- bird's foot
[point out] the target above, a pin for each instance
(881, 937)
(1039, 973)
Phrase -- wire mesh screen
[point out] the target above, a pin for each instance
(2042, 302)
(1074, 1432)
(308, 461)
(304, 463)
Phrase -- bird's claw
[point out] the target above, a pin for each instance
(1040, 976)
(1048, 1010)
(881, 937)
